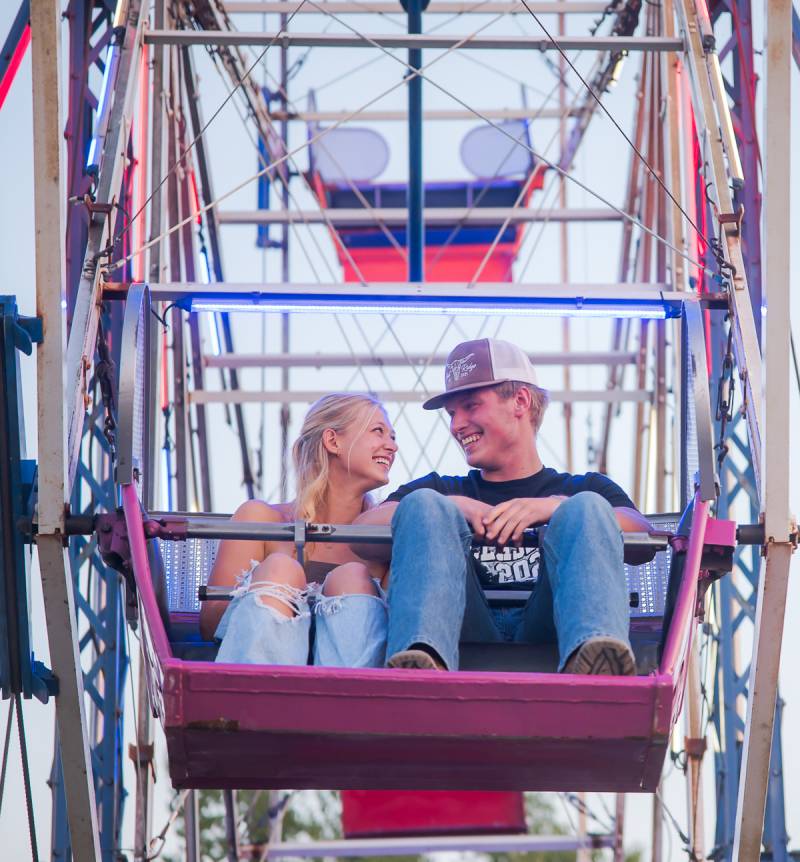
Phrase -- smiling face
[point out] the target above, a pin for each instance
(494, 433)
(367, 448)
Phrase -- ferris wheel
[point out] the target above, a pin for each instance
(236, 244)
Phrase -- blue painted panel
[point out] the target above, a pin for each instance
(16, 661)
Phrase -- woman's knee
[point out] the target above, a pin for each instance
(280, 569)
(348, 579)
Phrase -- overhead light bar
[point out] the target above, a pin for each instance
(626, 300)
(655, 308)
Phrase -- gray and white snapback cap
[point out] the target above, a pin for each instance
(485, 362)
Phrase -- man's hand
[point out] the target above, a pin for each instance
(505, 523)
(474, 512)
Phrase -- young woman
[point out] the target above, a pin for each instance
(345, 450)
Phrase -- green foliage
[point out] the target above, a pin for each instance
(316, 815)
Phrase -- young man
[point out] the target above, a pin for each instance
(442, 592)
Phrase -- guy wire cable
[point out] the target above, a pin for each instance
(202, 131)
(611, 117)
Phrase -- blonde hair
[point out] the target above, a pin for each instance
(540, 398)
(337, 411)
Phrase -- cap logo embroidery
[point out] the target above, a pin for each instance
(458, 369)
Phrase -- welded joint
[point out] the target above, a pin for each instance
(792, 539)
(173, 528)
(112, 542)
(755, 534)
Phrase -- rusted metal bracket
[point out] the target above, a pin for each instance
(143, 756)
(734, 218)
(695, 747)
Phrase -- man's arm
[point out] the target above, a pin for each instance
(472, 510)
(633, 521)
(380, 516)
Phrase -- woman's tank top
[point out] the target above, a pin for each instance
(316, 571)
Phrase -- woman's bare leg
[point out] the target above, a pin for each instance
(284, 571)
(348, 579)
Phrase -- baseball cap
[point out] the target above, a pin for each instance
(484, 362)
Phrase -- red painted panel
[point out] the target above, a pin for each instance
(455, 263)
(373, 813)
(443, 263)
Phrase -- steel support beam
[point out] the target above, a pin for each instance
(397, 216)
(741, 85)
(435, 114)
(57, 585)
(573, 294)
(429, 844)
(404, 360)
(775, 478)
(229, 38)
(206, 192)
(90, 31)
(414, 396)
(83, 333)
(707, 113)
(416, 184)
(391, 7)
(735, 601)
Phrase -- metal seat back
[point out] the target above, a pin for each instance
(188, 564)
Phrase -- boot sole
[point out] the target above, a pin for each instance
(415, 659)
(603, 657)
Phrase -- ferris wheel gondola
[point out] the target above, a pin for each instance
(242, 726)
(470, 239)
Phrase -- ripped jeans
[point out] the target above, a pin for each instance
(332, 631)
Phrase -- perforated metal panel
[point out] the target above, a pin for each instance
(187, 566)
(649, 581)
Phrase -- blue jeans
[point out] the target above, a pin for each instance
(435, 597)
(348, 630)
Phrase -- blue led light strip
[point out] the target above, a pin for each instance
(433, 305)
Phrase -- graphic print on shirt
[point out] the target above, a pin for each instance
(507, 568)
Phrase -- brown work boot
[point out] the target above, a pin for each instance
(419, 659)
(605, 656)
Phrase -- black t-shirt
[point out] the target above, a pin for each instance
(514, 568)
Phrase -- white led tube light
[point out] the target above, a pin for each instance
(620, 309)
